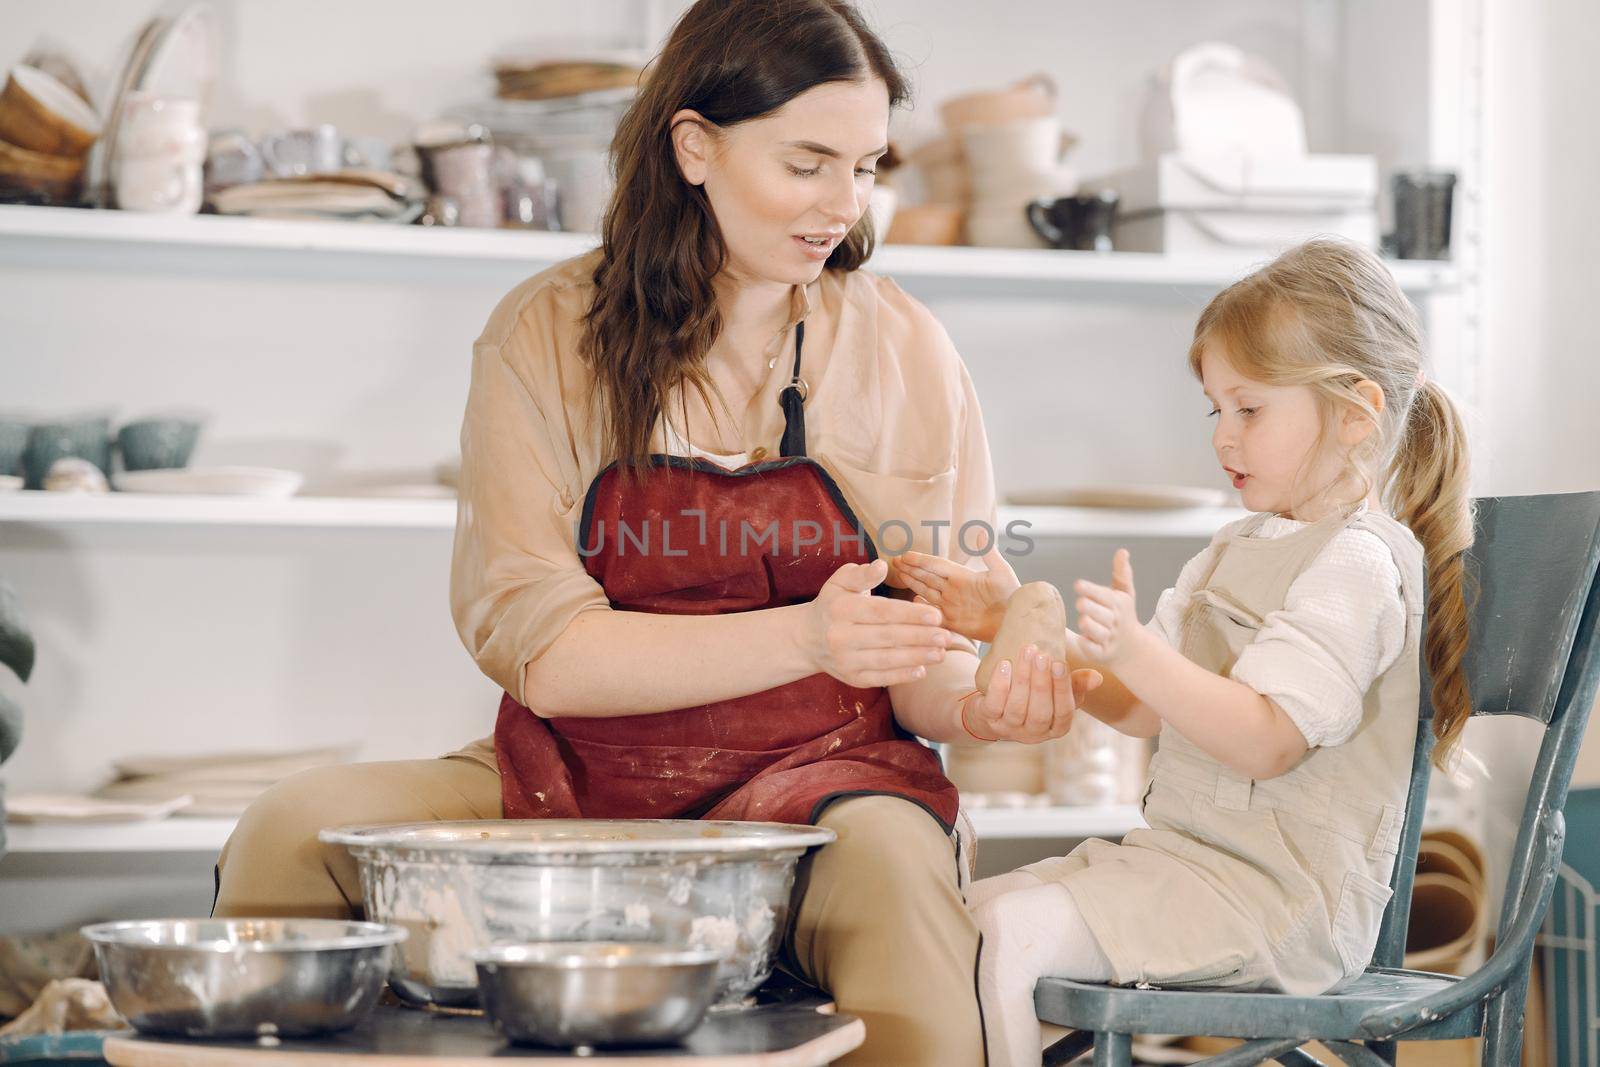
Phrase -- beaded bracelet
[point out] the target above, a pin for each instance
(968, 729)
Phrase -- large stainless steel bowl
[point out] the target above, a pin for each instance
(243, 977)
(596, 993)
(460, 886)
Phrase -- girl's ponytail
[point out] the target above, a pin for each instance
(1428, 492)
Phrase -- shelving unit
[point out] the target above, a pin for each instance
(53, 233)
(345, 343)
(55, 509)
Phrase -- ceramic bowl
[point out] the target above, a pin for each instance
(40, 114)
(587, 993)
(13, 442)
(157, 444)
(88, 438)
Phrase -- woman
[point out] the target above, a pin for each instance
(713, 676)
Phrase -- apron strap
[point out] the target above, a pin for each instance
(792, 400)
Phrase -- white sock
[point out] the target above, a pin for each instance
(1030, 932)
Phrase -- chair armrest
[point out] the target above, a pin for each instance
(1512, 952)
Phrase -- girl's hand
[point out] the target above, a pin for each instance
(1035, 706)
(865, 640)
(973, 602)
(1108, 621)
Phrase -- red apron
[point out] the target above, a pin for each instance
(690, 537)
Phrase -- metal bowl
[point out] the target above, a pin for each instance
(596, 993)
(243, 977)
(461, 886)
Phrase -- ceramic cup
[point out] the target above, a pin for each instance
(87, 438)
(232, 158)
(158, 443)
(466, 173)
(996, 153)
(318, 150)
(1422, 202)
(368, 153)
(159, 155)
(13, 442)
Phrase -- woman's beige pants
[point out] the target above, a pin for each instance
(881, 922)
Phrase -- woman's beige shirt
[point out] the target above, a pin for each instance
(891, 415)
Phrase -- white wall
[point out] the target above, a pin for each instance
(195, 639)
(1542, 338)
(1541, 229)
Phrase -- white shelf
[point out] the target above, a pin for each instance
(1011, 824)
(54, 509)
(45, 234)
(1121, 522)
(176, 834)
(179, 834)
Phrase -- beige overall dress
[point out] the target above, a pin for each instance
(1273, 885)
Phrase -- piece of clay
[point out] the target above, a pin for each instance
(1035, 615)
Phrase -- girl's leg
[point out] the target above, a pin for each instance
(882, 926)
(273, 864)
(986, 889)
(1029, 933)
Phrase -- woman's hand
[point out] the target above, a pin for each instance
(973, 602)
(1035, 705)
(865, 640)
(1108, 620)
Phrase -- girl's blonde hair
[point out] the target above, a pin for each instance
(1328, 315)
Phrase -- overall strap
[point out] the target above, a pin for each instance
(792, 400)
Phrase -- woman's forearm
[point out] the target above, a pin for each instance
(930, 707)
(612, 663)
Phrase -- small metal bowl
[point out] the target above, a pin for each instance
(243, 977)
(570, 994)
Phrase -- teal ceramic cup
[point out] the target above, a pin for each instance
(88, 439)
(157, 444)
(13, 442)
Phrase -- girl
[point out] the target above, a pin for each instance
(1281, 673)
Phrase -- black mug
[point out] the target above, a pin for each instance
(1080, 222)
(1422, 202)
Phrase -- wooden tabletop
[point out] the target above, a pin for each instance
(777, 1035)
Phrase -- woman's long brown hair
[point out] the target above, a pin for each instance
(654, 315)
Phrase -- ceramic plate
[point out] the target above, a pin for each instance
(106, 148)
(1123, 496)
(238, 481)
(184, 59)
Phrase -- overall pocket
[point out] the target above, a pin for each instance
(1362, 899)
